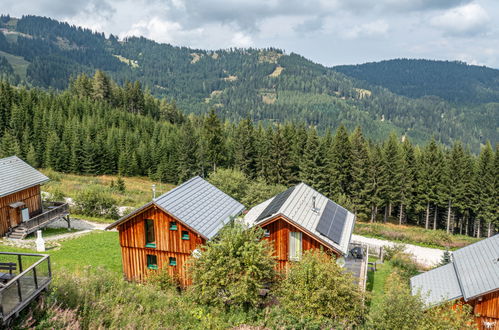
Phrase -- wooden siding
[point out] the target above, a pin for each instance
(31, 197)
(279, 236)
(168, 244)
(488, 309)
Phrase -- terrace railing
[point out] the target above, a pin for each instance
(55, 211)
(25, 283)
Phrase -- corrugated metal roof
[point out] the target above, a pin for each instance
(477, 266)
(17, 175)
(298, 209)
(198, 204)
(437, 285)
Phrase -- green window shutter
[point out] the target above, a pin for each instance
(152, 261)
(295, 245)
(185, 235)
(173, 261)
(173, 225)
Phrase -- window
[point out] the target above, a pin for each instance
(295, 247)
(149, 229)
(152, 261)
(173, 261)
(185, 235)
(173, 225)
(266, 232)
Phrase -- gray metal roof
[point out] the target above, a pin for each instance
(475, 267)
(198, 204)
(297, 207)
(437, 285)
(17, 175)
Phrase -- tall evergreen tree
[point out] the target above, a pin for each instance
(340, 163)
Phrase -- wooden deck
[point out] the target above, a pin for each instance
(358, 266)
(27, 283)
(52, 212)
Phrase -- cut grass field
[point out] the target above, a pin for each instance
(138, 190)
(376, 282)
(19, 64)
(96, 249)
(413, 235)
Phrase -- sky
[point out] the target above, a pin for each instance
(330, 32)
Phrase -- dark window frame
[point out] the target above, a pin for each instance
(152, 261)
(149, 232)
(185, 235)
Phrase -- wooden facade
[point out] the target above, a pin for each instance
(486, 309)
(168, 244)
(278, 230)
(11, 216)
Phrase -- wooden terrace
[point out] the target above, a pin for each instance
(23, 276)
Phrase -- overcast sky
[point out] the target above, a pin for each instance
(330, 32)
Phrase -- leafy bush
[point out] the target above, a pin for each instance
(317, 288)
(405, 264)
(233, 268)
(259, 191)
(399, 309)
(391, 251)
(95, 201)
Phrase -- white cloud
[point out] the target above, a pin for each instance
(375, 28)
(242, 40)
(465, 20)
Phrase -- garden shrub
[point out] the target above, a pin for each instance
(318, 288)
(95, 201)
(233, 268)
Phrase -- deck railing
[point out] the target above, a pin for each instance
(19, 291)
(55, 210)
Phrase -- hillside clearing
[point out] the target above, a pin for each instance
(19, 64)
(277, 72)
(133, 63)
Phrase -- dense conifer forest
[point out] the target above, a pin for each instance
(97, 127)
(265, 85)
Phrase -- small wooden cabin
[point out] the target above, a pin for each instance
(20, 197)
(472, 277)
(301, 219)
(164, 233)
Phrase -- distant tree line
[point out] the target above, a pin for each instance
(97, 127)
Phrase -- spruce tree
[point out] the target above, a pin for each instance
(360, 167)
(340, 163)
(244, 148)
(393, 167)
(213, 140)
(485, 193)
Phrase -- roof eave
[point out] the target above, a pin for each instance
(26, 187)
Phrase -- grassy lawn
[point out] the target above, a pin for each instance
(47, 232)
(97, 249)
(376, 282)
(138, 189)
(413, 235)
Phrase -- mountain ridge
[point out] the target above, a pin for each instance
(261, 84)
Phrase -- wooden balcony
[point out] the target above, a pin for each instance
(23, 276)
(52, 211)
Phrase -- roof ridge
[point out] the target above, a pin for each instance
(177, 187)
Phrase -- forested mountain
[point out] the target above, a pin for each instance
(264, 85)
(97, 127)
(456, 82)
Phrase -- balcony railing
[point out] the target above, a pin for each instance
(22, 284)
(55, 210)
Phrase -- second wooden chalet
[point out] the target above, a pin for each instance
(301, 219)
(471, 277)
(163, 233)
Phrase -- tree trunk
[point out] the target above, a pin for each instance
(466, 228)
(386, 214)
(427, 220)
(460, 225)
(435, 218)
(448, 217)
(390, 209)
(478, 229)
(401, 213)
(489, 229)
(373, 213)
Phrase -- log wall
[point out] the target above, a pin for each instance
(31, 197)
(279, 238)
(488, 309)
(168, 244)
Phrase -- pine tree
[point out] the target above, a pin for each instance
(393, 167)
(485, 184)
(340, 163)
(187, 152)
(279, 166)
(101, 87)
(213, 140)
(376, 178)
(244, 146)
(360, 164)
(408, 179)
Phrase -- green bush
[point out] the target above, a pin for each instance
(96, 202)
(391, 251)
(317, 288)
(233, 268)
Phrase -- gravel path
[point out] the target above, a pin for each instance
(426, 256)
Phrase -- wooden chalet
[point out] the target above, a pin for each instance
(301, 219)
(21, 209)
(472, 277)
(164, 233)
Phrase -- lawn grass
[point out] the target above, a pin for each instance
(376, 282)
(413, 235)
(96, 249)
(47, 232)
(138, 189)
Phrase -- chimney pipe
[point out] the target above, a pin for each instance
(313, 204)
